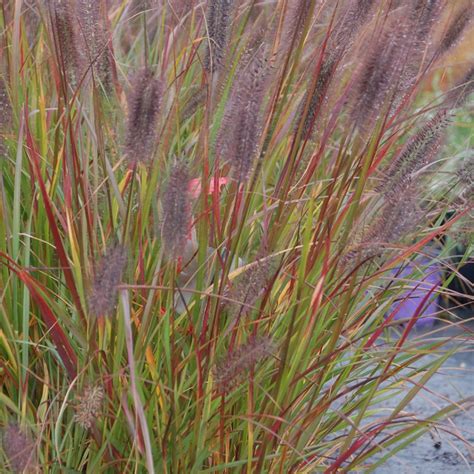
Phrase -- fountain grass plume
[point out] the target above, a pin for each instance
(351, 21)
(392, 222)
(232, 369)
(92, 17)
(458, 95)
(176, 206)
(461, 22)
(108, 275)
(379, 75)
(316, 98)
(418, 152)
(237, 142)
(245, 291)
(66, 40)
(5, 115)
(218, 21)
(144, 101)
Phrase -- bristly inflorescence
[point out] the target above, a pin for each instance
(196, 101)
(66, 40)
(144, 102)
(418, 152)
(218, 20)
(237, 143)
(340, 41)
(5, 115)
(465, 172)
(102, 295)
(5, 106)
(317, 98)
(89, 406)
(176, 211)
(295, 17)
(230, 371)
(19, 448)
(394, 221)
(247, 288)
(93, 29)
(389, 70)
(417, 18)
(457, 27)
(424, 14)
(357, 13)
(379, 77)
(397, 218)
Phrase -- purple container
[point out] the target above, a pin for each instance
(412, 301)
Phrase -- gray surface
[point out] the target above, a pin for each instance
(440, 452)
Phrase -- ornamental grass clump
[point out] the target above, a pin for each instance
(210, 212)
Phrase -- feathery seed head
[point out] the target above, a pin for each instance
(379, 77)
(108, 275)
(196, 100)
(19, 448)
(425, 14)
(352, 19)
(176, 211)
(93, 25)
(247, 289)
(237, 142)
(317, 97)
(5, 106)
(295, 18)
(456, 29)
(144, 103)
(66, 39)
(5, 115)
(231, 370)
(218, 19)
(89, 406)
(389, 70)
(398, 218)
(395, 220)
(417, 153)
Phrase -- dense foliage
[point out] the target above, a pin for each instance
(203, 210)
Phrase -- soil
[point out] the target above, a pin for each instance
(450, 450)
